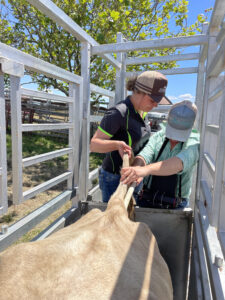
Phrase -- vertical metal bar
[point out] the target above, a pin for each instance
(196, 271)
(84, 166)
(202, 260)
(195, 192)
(16, 133)
(200, 84)
(218, 208)
(208, 81)
(3, 159)
(74, 138)
(120, 73)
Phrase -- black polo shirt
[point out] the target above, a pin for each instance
(123, 123)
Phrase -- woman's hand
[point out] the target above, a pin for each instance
(132, 174)
(124, 148)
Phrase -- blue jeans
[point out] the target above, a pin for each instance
(184, 203)
(108, 183)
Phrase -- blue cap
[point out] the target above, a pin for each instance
(181, 119)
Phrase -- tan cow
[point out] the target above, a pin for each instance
(102, 256)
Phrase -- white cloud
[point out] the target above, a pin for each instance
(179, 98)
(186, 97)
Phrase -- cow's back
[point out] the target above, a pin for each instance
(102, 256)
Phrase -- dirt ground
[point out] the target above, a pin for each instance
(33, 176)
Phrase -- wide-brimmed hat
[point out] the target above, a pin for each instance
(181, 119)
(152, 83)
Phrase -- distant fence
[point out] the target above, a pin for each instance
(43, 111)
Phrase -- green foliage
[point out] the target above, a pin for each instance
(95, 160)
(29, 30)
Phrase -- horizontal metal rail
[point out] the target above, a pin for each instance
(51, 10)
(217, 65)
(45, 96)
(39, 127)
(102, 91)
(217, 92)
(92, 176)
(59, 223)
(213, 128)
(151, 44)
(210, 163)
(37, 65)
(169, 71)
(22, 226)
(46, 185)
(167, 58)
(207, 194)
(29, 161)
(213, 252)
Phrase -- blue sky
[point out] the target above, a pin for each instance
(183, 87)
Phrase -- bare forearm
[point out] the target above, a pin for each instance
(103, 146)
(164, 168)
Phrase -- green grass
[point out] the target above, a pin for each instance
(95, 160)
(8, 217)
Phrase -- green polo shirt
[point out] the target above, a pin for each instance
(189, 155)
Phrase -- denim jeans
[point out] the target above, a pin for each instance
(184, 203)
(108, 183)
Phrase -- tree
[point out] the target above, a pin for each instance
(32, 32)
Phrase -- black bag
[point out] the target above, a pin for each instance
(156, 199)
